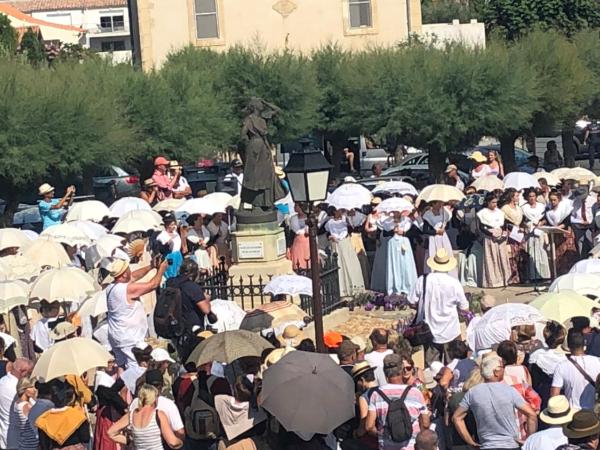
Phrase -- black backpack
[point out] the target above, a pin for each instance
(398, 423)
(201, 418)
(168, 319)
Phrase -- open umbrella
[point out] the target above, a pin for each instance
(581, 175)
(170, 204)
(223, 199)
(94, 305)
(561, 173)
(18, 267)
(71, 357)
(289, 285)
(127, 204)
(92, 230)
(229, 315)
(103, 248)
(575, 282)
(46, 252)
(272, 315)
(562, 306)
(67, 284)
(202, 206)
(12, 237)
(396, 187)
(488, 183)
(591, 265)
(138, 220)
(350, 196)
(235, 202)
(93, 210)
(495, 325)
(13, 293)
(440, 193)
(308, 393)
(550, 178)
(520, 181)
(395, 204)
(228, 346)
(67, 233)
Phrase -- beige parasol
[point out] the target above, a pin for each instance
(46, 252)
(583, 176)
(272, 315)
(488, 183)
(138, 220)
(13, 293)
(71, 357)
(67, 233)
(93, 210)
(67, 284)
(18, 267)
(440, 193)
(12, 237)
(550, 178)
(170, 204)
(94, 305)
(228, 346)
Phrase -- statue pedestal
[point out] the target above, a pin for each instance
(259, 250)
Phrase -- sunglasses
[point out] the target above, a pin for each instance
(407, 368)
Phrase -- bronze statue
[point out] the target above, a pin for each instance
(261, 187)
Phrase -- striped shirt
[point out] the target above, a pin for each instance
(148, 437)
(415, 403)
(20, 428)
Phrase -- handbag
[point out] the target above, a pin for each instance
(419, 333)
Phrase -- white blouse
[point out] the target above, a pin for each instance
(437, 221)
(165, 238)
(386, 223)
(481, 173)
(215, 229)
(338, 228)
(298, 224)
(493, 219)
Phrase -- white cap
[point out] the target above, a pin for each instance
(142, 345)
(160, 355)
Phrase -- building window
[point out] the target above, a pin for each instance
(360, 13)
(113, 46)
(112, 23)
(207, 25)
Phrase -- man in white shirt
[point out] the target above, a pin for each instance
(379, 340)
(236, 177)
(581, 221)
(557, 414)
(181, 189)
(21, 368)
(438, 297)
(576, 376)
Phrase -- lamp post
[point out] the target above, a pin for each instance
(308, 175)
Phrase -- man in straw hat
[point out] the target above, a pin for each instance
(582, 432)
(437, 296)
(50, 207)
(127, 323)
(181, 189)
(557, 414)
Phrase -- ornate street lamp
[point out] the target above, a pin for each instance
(308, 175)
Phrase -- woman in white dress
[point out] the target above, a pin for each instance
(496, 266)
(401, 267)
(538, 267)
(350, 274)
(435, 221)
(480, 168)
(357, 221)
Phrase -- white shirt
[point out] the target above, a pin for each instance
(127, 324)
(221, 230)
(576, 214)
(8, 390)
(481, 173)
(40, 333)
(165, 237)
(182, 185)
(168, 407)
(298, 224)
(338, 228)
(460, 185)
(375, 359)
(444, 294)
(546, 439)
(239, 179)
(131, 375)
(580, 393)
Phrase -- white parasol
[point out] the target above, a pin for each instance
(92, 210)
(94, 305)
(289, 285)
(520, 181)
(583, 176)
(576, 282)
(395, 204)
(591, 265)
(170, 204)
(67, 284)
(12, 294)
(67, 233)
(229, 315)
(350, 196)
(45, 252)
(551, 179)
(223, 199)
(92, 230)
(396, 187)
(12, 237)
(127, 204)
(440, 193)
(138, 220)
(202, 206)
(561, 173)
(18, 267)
(488, 183)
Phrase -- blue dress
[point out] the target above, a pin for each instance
(401, 267)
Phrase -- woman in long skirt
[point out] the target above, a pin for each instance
(401, 268)
(538, 267)
(219, 232)
(496, 267)
(470, 258)
(350, 275)
(435, 222)
(385, 226)
(514, 219)
(559, 216)
(357, 221)
(300, 250)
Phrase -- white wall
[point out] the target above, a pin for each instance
(471, 34)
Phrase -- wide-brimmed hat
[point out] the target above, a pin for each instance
(174, 163)
(376, 201)
(117, 267)
(441, 261)
(584, 424)
(62, 331)
(149, 182)
(450, 168)
(161, 161)
(346, 349)
(360, 369)
(23, 384)
(477, 156)
(429, 379)
(558, 412)
(45, 189)
(291, 336)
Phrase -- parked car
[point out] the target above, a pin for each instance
(416, 167)
(112, 183)
(207, 176)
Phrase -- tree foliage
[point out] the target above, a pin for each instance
(445, 11)
(32, 47)
(8, 35)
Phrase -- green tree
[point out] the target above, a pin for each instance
(8, 35)
(33, 47)
(444, 11)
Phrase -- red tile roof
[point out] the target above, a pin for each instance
(10, 10)
(56, 5)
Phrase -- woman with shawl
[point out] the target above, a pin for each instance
(514, 219)
(435, 223)
(496, 267)
(564, 244)
(538, 267)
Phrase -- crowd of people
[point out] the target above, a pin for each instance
(426, 382)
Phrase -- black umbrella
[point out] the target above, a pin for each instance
(308, 393)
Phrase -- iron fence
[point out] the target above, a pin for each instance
(250, 294)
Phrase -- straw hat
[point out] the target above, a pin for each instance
(45, 189)
(291, 336)
(360, 369)
(117, 267)
(24, 384)
(62, 331)
(376, 201)
(429, 380)
(279, 172)
(149, 182)
(441, 261)
(160, 355)
(173, 164)
(450, 168)
(477, 156)
(558, 412)
(584, 424)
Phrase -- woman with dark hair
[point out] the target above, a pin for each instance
(537, 265)
(496, 266)
(559, 216)
(509, 204)
(171, 241)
